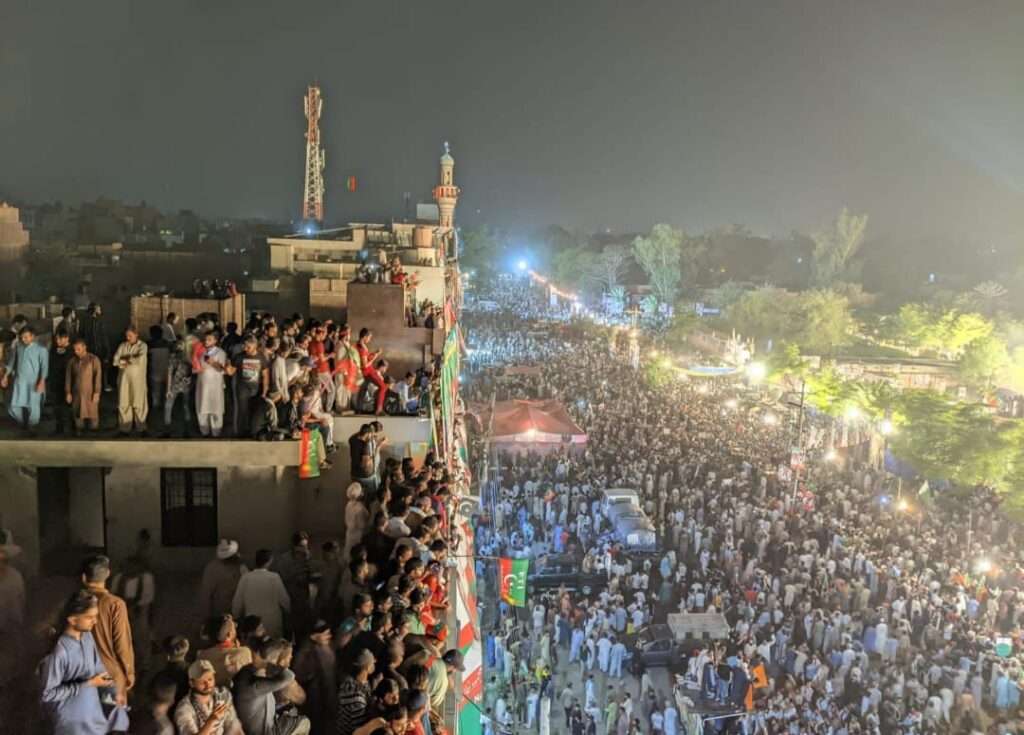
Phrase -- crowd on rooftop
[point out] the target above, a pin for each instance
(266, 380)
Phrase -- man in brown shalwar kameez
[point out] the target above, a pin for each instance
(83, 387)
(113, 632)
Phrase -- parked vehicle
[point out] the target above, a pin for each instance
(655, 645)
(552, 572)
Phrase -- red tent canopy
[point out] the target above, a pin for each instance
(542, 422)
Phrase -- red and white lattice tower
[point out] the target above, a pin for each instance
(313, 191)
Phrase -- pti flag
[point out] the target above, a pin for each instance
(309, 453)
(512, 573)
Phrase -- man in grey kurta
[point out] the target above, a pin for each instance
(73, 680)
(26, 372)
(132, 403)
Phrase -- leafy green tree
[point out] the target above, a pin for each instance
(836, 246)
(609, 266)
(569, 266)
(816, 321)
(684, 323)
(983, 360)
(483, 251)
(944, 332)
(726, 295)
(660, 255)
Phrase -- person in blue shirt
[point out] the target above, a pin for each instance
(26, 372)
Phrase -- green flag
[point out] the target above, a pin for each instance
(512, 575)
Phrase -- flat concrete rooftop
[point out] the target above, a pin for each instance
(57, 452)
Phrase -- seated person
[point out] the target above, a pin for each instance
(313, 413)
(408, 396)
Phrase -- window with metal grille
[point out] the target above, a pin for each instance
(188, 507)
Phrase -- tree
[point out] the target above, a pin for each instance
(569, 266)
(945, 332)
(816, 321)
(985, 297)
(836, 246)
(684, 323)
(726, 295)
(609, 267)
(983, 360)
(660, 255)
(483, 251)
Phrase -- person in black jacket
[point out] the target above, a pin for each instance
(60, 354)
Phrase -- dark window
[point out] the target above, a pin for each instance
(188, 507)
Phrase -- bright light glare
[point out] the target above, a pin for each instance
(731, 403)
(886, 427)
(852, 412)
(521, 265)
(756, 371)
(984, 566)
(531, 432)
(902, 506)
(665, 362)
(654, 353)
(702, 388)
(830, 455)
(770, 419)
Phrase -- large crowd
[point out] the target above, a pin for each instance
(347, 636)
(845, 614)
(267, 379)
(849, 611)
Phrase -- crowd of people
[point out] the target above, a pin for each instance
(267, 380)
(350, 638)
(849, 612)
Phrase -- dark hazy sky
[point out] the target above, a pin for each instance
(582, 112)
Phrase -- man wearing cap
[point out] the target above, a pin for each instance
(220, 580)
(207, 710)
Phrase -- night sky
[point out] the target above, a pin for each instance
(586, 113)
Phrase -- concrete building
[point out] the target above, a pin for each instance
(331, 258)
(62, 498)
(13, 237)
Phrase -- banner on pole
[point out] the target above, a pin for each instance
(512, 574)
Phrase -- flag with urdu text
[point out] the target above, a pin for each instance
(309, 455)
(512, 573)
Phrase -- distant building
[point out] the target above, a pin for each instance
(13, 236)
(331, 258)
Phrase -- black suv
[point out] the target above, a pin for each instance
(551, 572)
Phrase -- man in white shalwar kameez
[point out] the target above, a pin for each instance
(209, 367)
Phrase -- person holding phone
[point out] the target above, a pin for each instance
(207, 709)
(76, 691)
